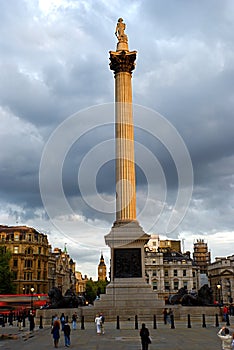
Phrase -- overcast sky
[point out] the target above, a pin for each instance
(57, 115)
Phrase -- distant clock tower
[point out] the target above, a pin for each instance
(102, 269)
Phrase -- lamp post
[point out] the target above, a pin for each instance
(219, 292)
(32, 290)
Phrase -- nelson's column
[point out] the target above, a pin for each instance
(128, 293)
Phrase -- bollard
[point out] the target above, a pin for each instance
(227, 320)
(136, 322)
(172, 321)
(203, 321)
(117, 323)
(23, 320)
(216, 320)
(40, 323)
(82, 322)
(155, 323)
(189, 321)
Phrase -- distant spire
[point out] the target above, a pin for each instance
(65, 248)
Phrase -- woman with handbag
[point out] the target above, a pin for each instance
(145, 337)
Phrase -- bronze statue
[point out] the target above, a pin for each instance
(69, 300)
(202, 298)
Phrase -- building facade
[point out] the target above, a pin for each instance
(36, 268)
(168, 270)
(221, 278)
(201, 255)
(30, 256)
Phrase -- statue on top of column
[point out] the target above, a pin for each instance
(119, 31)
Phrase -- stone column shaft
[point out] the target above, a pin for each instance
(123, 63)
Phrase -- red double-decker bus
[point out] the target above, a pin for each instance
(17, 302)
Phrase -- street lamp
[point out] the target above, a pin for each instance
(32, 290)
(219, 292)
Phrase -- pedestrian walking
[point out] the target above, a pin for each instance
(62, 320)
(165, 315)
(67, 332)
(98, 324)
(226, 338)
(10, 318)
(31, 321)
(145, 337)
(20, 321)
(74, 320)
(102, 320)
(56, 332)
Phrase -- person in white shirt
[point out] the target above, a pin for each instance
(98, 324)
(226, 338)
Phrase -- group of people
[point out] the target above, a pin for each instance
(21, 320)
(62, 323)
(99, 320)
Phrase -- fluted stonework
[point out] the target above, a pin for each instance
(122, 63)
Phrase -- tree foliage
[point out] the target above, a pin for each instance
(6, 276)
(94, 289)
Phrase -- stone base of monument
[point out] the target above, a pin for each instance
(125, 300)
(128, 294)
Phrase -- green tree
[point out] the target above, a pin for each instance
(94, 289)
(6, 276)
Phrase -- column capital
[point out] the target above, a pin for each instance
(122, 61)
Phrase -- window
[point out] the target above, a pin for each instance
(175, 273)
(166, 273)
(194, 274)
(39, 264)
(28, 276)
(176, 285)
(185, 283)
(28, 263)
(154, 261)
(28, 251)
(16, 250)
(15, 262)
(39, 250)
(184, 273)
(154, 273)
(38, 275)
(15, 275)
(166, 285)
(16, 237)
(155, 287)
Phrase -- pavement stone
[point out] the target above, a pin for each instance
(126, 338)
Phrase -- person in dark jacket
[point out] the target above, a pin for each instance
(55, 332)
(144, 334)
(67, 332)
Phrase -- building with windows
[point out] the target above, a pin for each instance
(221, 278)
(30, 255)
(34, 264)
(201, 255)
(167, 271)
